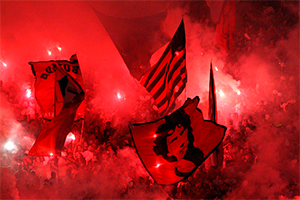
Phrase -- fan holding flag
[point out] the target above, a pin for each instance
(67, 98)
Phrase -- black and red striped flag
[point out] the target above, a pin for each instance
(166, 80)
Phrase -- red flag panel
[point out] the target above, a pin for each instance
(144, 37)
(225, 29)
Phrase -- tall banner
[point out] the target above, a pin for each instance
(223, 40)
(136, 39)
(212, 113)
(173, 147)
(166, 80)
(46, 96)
(50, 141)
(216, 158)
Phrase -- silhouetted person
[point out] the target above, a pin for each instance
(108, 131)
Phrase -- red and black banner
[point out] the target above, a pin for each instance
(47, 94)
(173, 147)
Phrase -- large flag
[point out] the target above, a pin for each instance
(45, 88)
(136, 39)
(223, 39)
(173, 147)
(167, 78)
(50, 141)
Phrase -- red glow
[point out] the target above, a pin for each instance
(119, 95)
(255, 67)
(221, 93)
(28, 93)
(71, 136)
(9, 145)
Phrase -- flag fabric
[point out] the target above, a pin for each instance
(166, 80)
(215, 8)
(173, 147)
(46, 96)
(50, 141)
(223, 39)
(212, 97)
(136, 39)
(216, 158)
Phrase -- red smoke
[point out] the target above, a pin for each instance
(30, 30)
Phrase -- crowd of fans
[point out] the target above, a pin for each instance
(87, 162)
(101, 161)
